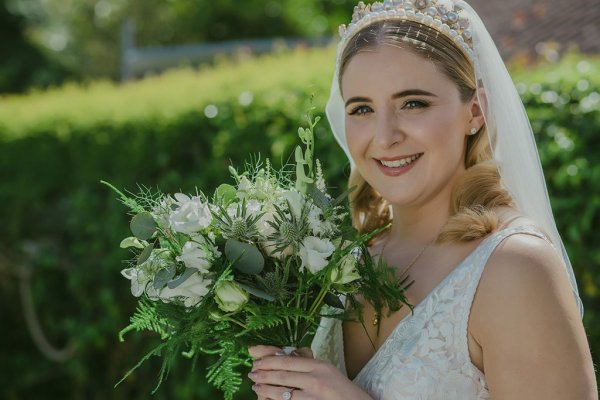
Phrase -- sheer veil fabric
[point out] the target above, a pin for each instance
(509, 130)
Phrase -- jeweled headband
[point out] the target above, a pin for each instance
(442, 15)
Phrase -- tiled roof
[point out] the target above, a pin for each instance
(541, 27)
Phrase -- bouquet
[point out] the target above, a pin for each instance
(256, 262)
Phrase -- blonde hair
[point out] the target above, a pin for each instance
(479, 190)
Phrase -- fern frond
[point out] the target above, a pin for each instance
(146, 317)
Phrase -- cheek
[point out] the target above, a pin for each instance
(356, 138)
(444, 131)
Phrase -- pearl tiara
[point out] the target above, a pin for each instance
(442, 15)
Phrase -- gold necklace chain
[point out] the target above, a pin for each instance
(376, 318)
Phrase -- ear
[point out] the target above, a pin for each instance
(477, 107)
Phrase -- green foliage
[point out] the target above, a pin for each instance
(86, 40)
(23, 63)
(146, 317)
(57, 217)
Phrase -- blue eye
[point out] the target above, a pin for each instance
(411, 104)
(361, 110)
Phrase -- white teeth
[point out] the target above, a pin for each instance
(400, 163)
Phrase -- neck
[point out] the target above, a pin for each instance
(417, 225)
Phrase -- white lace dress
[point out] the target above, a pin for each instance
(426, 356)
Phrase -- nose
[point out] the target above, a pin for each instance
(388, 130)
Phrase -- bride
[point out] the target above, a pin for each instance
(441, 147)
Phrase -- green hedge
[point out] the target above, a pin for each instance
(60, 221)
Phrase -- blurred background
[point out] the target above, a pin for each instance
(168, 93)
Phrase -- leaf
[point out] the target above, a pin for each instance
(318, 197)
(131, 241)
(181, 278)
(145, 254)
(226, 192)
(246, 257)
(163, 276)
(342, 196)
(143, 225)
(256, 292)
(299, 157)
(333, 301)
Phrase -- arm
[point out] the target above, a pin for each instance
(313, 379)
(533, 340)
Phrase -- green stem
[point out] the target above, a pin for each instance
(319, 299)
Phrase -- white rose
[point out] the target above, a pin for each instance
(346, 271)
(191, 291)
(230, 297)
(194, 254)
(314, 253)
(295, 202)
(192, 215)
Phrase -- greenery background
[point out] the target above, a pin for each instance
(60, 224)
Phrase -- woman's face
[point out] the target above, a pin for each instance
(405, 124)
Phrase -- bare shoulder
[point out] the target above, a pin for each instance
(527, 323)
(526, 270)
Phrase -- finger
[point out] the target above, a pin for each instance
(287, 363)
(277, 392)
(260, 351)
(304, 352)
(282, 378)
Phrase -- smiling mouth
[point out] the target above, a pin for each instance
(400, 162)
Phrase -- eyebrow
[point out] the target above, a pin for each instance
(404, 93)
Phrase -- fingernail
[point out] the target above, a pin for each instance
(254, 387)
(280, 353)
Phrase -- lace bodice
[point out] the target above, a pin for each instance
(426, 357)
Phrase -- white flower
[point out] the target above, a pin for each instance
(194, 254)
(244, 185)
(230, 297)
(191, 291)
(253, 207)
(139, 279)
(314, 253)
(346, 271)
(295, 201)
(162, 210)
(317, 224)
(191, 216)
(142, 276)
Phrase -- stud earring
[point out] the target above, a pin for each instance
(473, 131)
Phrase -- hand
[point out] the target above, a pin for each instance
(311, 379)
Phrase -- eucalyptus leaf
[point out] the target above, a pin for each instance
(163, 276)
(256, 292)
(143, 225)
(145, 254)
(226, 192)
(132, 241)
(181, 278)
(246, 257)
(332, 300)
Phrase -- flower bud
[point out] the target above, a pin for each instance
(345, 272)
(230, 297)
